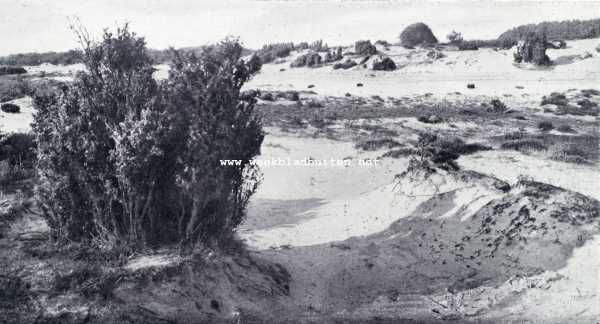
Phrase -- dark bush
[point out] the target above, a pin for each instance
(497, 107)
(311, 59)
(524, 145)
(566, 129)
(345, 65)
(270, 52)
(10, 108)
(267, 96)
(532, 49)
(18, 149)
(364, 47)
(384, 64)
(545, 126)
(14, 87)
(555, 98)
(376, 144)
(429, 119)
(442, 151)
(556, 30)
(5, 70)
(126, 159)
(417, 34)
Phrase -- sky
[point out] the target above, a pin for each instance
(43, 25)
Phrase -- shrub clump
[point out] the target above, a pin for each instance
(345, 65)
(433, 150)
(555, 98)
(10, 108)
(545, 126)
(497, 107)
(417, 34)
(384, 64)
(532, 49)
(364, 47)
(5, 70)
(376, 144)
(124, 159)
(311, 59)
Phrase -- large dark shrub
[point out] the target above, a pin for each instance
(125, 159)
(10, 108)
(417, 34)
(12, 70)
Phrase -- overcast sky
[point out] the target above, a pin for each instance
(42, 25)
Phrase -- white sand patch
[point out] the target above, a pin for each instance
(367, 213)
(19, 122)
(575, 295)
(152, 261)
(509, 165)
(492, 72)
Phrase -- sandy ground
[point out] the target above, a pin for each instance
(19, 122)
(492, 72)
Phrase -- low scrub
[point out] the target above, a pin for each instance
(555, 98)
(384, 64)
(345, 65)
(12, 87)
(442, 151)
(545, 126)
(525, 145)
(377, 144)
(311, 59)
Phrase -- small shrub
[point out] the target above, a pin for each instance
(10, 108)
(267, 96)
(345, 65)
(588, 93)
(385, 64)
(455, 37)
(430, 119)
(364, 47)
(525, 145)
(566, 129)
(376, 144)
(313, 103)
(555, 98)
(497, 107)
(545, 126)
